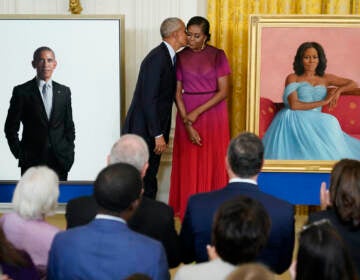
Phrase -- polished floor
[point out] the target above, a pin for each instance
(300, 219)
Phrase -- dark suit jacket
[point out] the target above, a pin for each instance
(149, 114)
(39, 133)
(350, 235)
(153, 218)
(196, 228)
(105, 249)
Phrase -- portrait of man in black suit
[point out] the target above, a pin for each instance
(149, 115)
(43, 107)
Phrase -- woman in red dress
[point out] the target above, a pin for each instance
(202, 126)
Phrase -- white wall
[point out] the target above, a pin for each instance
(142, 21)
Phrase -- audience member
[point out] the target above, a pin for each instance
(106, 248)
(35, 197)
(240, 230)
(16, 264)
(342, 205)
(322, 254)
(251, 271)
(152, 218)
(243, 162)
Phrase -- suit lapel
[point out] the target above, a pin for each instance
(165, 50)
(56, 96)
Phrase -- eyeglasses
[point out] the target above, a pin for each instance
(315, 224)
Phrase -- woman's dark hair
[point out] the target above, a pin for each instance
(345, 190)
(9, 254)
(298, 63)
(322, 254)
(203, 23)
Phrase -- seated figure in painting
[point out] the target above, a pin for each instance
(301, 131)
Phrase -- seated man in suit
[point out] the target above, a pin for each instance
(152, 218)
(243, 163)
(106, 248)
(240, 230)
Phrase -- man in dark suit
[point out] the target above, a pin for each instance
(107, 248)
(44, 109)
(149, 114)
(243, 162)
(152, 218)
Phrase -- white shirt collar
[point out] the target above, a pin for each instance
(170, 49)
(41, 83)
(109, 217)
(242, 180)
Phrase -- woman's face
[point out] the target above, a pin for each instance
(195, 37)
(310, 59)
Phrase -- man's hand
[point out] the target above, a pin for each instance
(160, 145)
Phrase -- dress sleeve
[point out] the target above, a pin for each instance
(222, 64)
(290, 88)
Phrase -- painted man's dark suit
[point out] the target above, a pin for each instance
(196, 227)
(149, 114)
(41, 139)
(152, 218)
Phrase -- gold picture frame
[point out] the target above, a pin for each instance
(273, 41)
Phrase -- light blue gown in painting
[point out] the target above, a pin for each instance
(307, 134)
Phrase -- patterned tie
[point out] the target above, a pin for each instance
(47, 99)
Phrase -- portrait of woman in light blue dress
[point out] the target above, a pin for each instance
(300, 131)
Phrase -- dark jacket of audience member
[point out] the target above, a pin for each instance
(152, 218)
(15, 263)
(322, 254)
(240, 230)
(344, 212)
(244, 161)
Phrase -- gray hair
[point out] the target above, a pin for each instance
(169, 25)
(130, 149)
(36, 193)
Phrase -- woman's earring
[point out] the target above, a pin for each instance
(203, 45)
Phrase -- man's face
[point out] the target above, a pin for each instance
(181, 36)
(45, 64)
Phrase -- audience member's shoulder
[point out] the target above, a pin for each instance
(318, 215)
(280, 202)
(156, 204)
(144, 240)
(81, 200)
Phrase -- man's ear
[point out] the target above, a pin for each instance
(134, 205)
(227, 165)
(33, 64)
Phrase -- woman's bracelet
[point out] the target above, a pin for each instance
(188, 123)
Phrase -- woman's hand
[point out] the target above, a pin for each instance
(324, 197)
(193, 135)
(330, 98)
(335, 94)
(192, 116)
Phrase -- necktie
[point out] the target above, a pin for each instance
(47, 99)
(174, 60)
